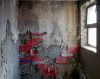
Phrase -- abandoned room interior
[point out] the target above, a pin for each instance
(49, 39)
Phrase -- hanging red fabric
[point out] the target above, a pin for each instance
(24, 48)
(33, 41)
(74, 49)
(42, 67)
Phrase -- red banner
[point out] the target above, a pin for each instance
(24, 48)
(74, 49)
(33, 41)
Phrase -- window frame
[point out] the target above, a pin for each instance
(90, 25)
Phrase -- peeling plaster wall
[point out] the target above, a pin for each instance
(57, 18)
(8, 49)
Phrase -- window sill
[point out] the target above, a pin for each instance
(90, 48)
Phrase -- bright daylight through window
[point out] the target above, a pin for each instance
(91, 26)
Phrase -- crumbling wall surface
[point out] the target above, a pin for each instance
(57, 18)
(8, 38)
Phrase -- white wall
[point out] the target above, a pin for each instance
(8, 49)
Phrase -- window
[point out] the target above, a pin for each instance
(91, 26)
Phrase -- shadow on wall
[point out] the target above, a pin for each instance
(28, 18)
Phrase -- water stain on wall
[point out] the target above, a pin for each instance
(53, 17)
